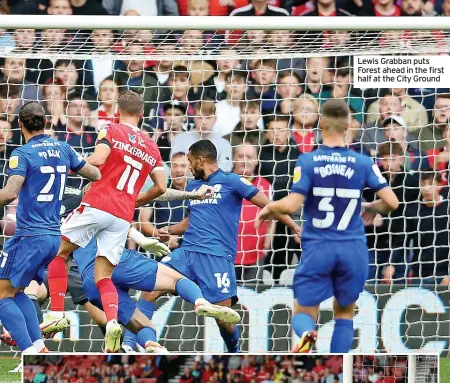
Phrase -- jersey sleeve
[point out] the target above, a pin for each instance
(243, 187)
(375, 179)
(18, 164)
(76, 161)
(159, 165)
(302, 181)
(105, 136)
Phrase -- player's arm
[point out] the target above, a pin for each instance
(101, 154)
(179, 228)
(159, 188)
(386, 203)
(280, 210)
(175, 195)
(90, 172)
(11, 190)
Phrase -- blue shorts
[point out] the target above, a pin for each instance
(25, 258)
(331, 268)
(213, 274)
(134, 271)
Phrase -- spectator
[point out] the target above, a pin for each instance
(412, 8)
(101, 41)
(163, 68)
(228, 110)
(259, 8)
(174, 123)
(212, 8)
(413, 112)
(198, 8)
(388, 256)
(85, 7)
(428, 223)
(54, 103)
(108, 96)
(395, 129)
(153, 8)
(288, 89)
(59, 7)
(322, 8)
(252, 242)
(9, 103)
(204, 120)
(277, 161)
(224, 67)
(187, 377)
(304, 128)
(13, 74)
(24, 39)
(384, 8)
(431, 136)
(247, 128)
(263, 85)
(317, 78)
(439, 158)
(445, 8)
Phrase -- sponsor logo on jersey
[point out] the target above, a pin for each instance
(245, 181)
(132, 138)
(13, 162)
(297, 174)
(217, 188)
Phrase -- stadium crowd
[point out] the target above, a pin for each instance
(264, 369)
(260, 113)
(100, 369)
(380, 369)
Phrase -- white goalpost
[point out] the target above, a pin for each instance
(246, 71)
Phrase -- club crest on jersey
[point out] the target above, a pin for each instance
(217, 188)
(141, 142)
(13, 162)
(132, 138)
(297, 174)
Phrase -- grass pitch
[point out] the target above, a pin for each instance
(444, 374)
(7, 364)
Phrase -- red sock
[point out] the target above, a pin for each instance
(110, 298)
(57, 283)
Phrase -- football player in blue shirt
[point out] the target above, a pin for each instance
(207, 253)
(37, 175)
(329, 183)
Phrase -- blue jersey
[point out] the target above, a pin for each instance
(213, 222)
(45, 164)
(332, 181)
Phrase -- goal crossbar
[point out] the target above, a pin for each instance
(223, 23)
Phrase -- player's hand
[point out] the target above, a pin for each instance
(264, 215)
(152, 245)
(174, 242)
(367, 214)
(388, 274)
(163, 234)
(205, 191)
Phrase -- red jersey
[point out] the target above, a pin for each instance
(133, 157)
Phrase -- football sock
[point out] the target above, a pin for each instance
(37, 307)
(109, 297)
(57, 283)
(145, 334)
(13, 320)
(231, 339)
(342, 338)
(302, 322)
(29, 313)
(188, 290)
(147, 308)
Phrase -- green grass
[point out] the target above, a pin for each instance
(444, 374)
(7, 364)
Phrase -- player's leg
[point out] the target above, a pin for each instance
(34, 292)
(312, 285)
(228, 331)
(350, 277)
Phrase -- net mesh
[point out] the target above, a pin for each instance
(395, 368)
(234, 83)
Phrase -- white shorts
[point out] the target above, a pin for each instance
(86, 222)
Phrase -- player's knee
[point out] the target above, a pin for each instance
(7, 292)
(151, 296)
(343, 311)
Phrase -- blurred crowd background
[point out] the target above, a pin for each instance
(260, 113)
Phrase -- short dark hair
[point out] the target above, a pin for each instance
(237, 74)
(335, 108)
(131, 102)
(389, 148)
(32, 116)
(278, 117)
(204, 148)
(430, 175)
(65, 63)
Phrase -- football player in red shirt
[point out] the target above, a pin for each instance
(125, 157)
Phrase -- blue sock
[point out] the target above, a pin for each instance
(188, 290)
(29, 313)
(342, 338)
(302, 322)
(145, 334)
(12, 318)
(231, 339)
(147, 308)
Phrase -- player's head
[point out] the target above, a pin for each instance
(430, 186)
(335, 117)
(32, 118)
(131, 105)
(201, 156)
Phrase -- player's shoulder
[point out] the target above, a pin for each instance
(194, 184)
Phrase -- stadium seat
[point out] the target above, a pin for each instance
(286, 277)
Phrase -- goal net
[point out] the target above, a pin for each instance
(410, 368)
(255, 88)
